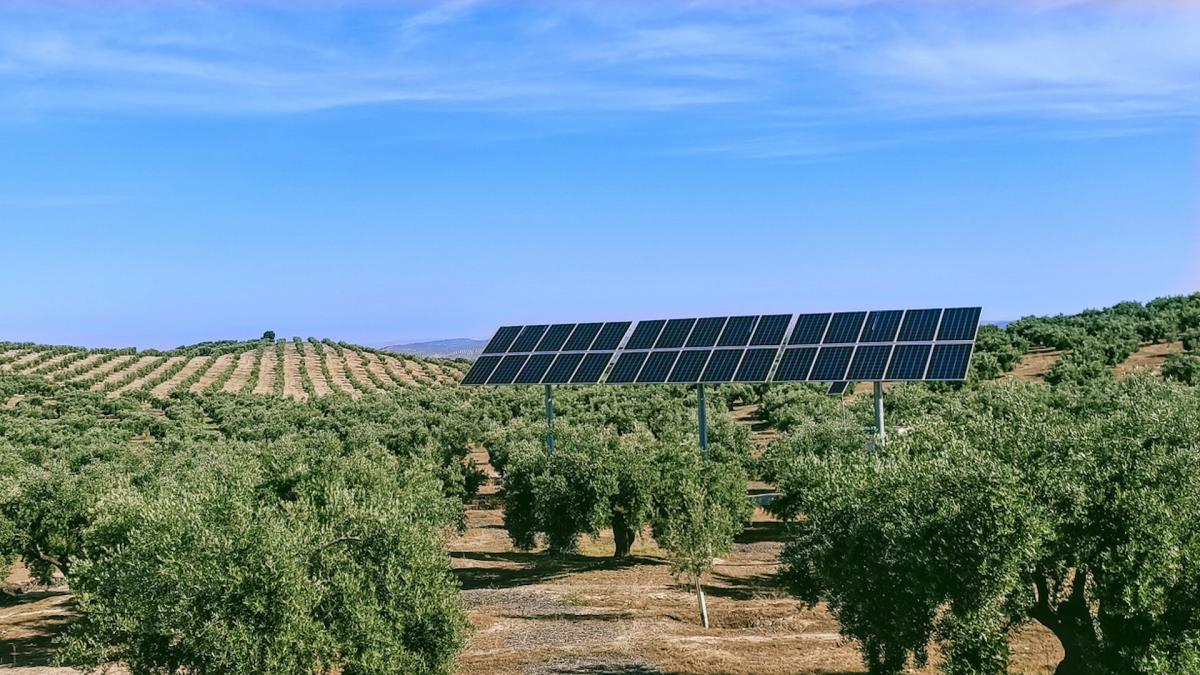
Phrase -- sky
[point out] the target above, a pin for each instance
(386, 172)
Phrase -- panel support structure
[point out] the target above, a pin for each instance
(702, 420)
(550, 420)
(879, 428)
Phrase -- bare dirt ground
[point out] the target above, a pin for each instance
(373, 363)
(140, 382)
(21, 361)
(416, 372)
(49, 365)
(266, 371)
(337, 372)
(104, 368)
(1149, 356)
(118, 374)
(13, 401)
(395, 367)
(223, 363)
(241, 372)
(293, 386)
(81, 366)
(355, 365)
(164, 388)
(312, 363)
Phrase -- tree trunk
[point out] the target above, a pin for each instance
(1071, 622)
(702, 603)
(622, 536)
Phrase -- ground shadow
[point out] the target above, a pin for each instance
(763, 530)
(38, 648)
(745, 588)
(524, 568)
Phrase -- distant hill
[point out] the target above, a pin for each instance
(453, 348)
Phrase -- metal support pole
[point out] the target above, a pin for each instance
(879, 428)
(702, 415)
(550, 420)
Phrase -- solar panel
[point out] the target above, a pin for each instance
(869, 362)
(809, 329)
(881, 326)
(959, 323)
(658, 366)
(610, 336)
(795, 364)
(674, 334)
(582, 337)
(507, 371)
(845, 327)
(919, 325)
(535, 368)
(837, 388)
(755, 365)
(737, 331)
(831, 364)
(592, 368)
(481, 370)
(689, 366)
(626, 368)
(563, 368)
(706, 332)
(528, 339)
(554, 338)
(770, 330)
(502, 339)
(721, 365)
(908, 362)
(949, 362)
(645, 334)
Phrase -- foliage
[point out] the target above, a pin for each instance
(1182, 368)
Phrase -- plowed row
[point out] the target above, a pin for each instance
(313, 369)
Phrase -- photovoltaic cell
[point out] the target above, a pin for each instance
(959, 324)
(554, 338)
(658, 366)
(809, 329)
(737, 331)
(845, 327)
(564, 366)
(706, 332)
(528, 339)
(502, 339)
(755, 365)
(831, 364)
(582, 337)
(908, 362)
(507, 371)
(535, 368)
(481, 370)
(771, 330)
(795, 364)
(610, 336)
(881, 326)
(592, 368)
(674, 334)
(689, 366)
(721, 365)
(919, 325)
(869, 362)
(949, 362)
(837, 388)
(645, 334)
(626, 368)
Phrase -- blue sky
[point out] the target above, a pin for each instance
(177, 172)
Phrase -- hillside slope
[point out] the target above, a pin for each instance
(298, 369)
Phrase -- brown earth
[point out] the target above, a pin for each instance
(21, 361)
(118, 374)
(223, 363)
(140, 382)
(354, 364)
(416, 372)
(164, 388)
(375, 365)
(50, 364)
(266, 371)
(312, 363)
(241, 372)
(104, 368)
(293, 385)
(395, 368)
(337, 372)
(81, 366)
(1149, 356)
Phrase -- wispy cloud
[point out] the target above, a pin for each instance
(823, 62)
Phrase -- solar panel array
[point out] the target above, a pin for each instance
(920, 344)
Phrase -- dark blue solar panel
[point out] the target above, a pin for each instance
(737, 331)
(554, 338)
(795, 364)
(482, 368)
(610, 336)
(771, 330)
(959, 323)
(908, 362)
(626, 368)
(645, 334)
(502, 339)
(564, 366)
(919, 325)
(582, 337)
(845, 327)
(674, 334)
(592, 368)
(657, 367)
(869, 362)
(507, 371)
(831, 364)
(706, 332)
(837, 388)
(881, 326)
(528, 339)
(809, 329)
(689, 366)
(949, 362)
(535, 368)
(755, 365)
(721, 365)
